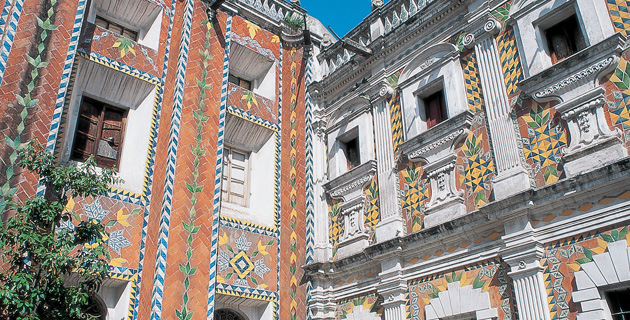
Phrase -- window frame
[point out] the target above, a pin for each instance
(607, 296)
(531, 18)
(569, 39)
(239, 81)
(99, 128)
(110, 21)
(436, 68)
(226, 189)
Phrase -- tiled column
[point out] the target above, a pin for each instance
(392, 223)
(511, 177)
(393, 288)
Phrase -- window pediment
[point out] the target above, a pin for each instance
(430, 59)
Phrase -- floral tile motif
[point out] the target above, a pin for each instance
(415, 192)
(477, 170)
(502, 12)
(544, 141)
(117, 227)
(244, 260)
(490, 277)
(366, 306)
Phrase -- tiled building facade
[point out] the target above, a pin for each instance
(472, 158)
(447, 159)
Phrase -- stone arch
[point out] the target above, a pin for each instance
(359, 313)
(608, 268)
(458, 300)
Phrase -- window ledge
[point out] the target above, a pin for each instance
(350, 185)
(558, 82)
(437, 141)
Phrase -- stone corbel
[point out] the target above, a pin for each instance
(435, 148)
(349, 188)
(443, 187)
(592, 141)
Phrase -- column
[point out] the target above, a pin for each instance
(392, 223)
(511, 176)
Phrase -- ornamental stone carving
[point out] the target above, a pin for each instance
(435, 148)
(349, 187)
(592, 141)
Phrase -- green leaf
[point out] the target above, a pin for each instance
(583, 260)
(615, 235)
(550, 171)
(588, 253)
(623, 233)
(606, 238)
(111, 223)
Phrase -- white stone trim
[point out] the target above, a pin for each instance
(458, 300)
(608, 268)
(358, 313)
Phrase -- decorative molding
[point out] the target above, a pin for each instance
(435, 145)
(572, 79)
(576, 74)
(351, 184)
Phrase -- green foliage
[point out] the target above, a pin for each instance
(294, 20)
(50, 270)
(539, 116)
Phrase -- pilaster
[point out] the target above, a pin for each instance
(393, 288)
(392, 223)
(523, 253)
(322, 248)
(511, 177)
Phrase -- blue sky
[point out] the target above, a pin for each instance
(341, 15)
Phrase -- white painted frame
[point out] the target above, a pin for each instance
(354, 116)
(459, 301)
(437, 66)
(608, 270)
(531, 17)
(137, 131)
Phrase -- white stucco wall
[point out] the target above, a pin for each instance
(260, 209)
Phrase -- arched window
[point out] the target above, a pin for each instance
(227, 314)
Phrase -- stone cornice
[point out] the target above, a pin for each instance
(437, 138)
(351, 183)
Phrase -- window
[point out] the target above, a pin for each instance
(246, 84)
(619, 303)
(564, 39)
(116, 28)
(227, 314)
(99, 132)
(435, 108)
(235, 174)
(351, 151)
